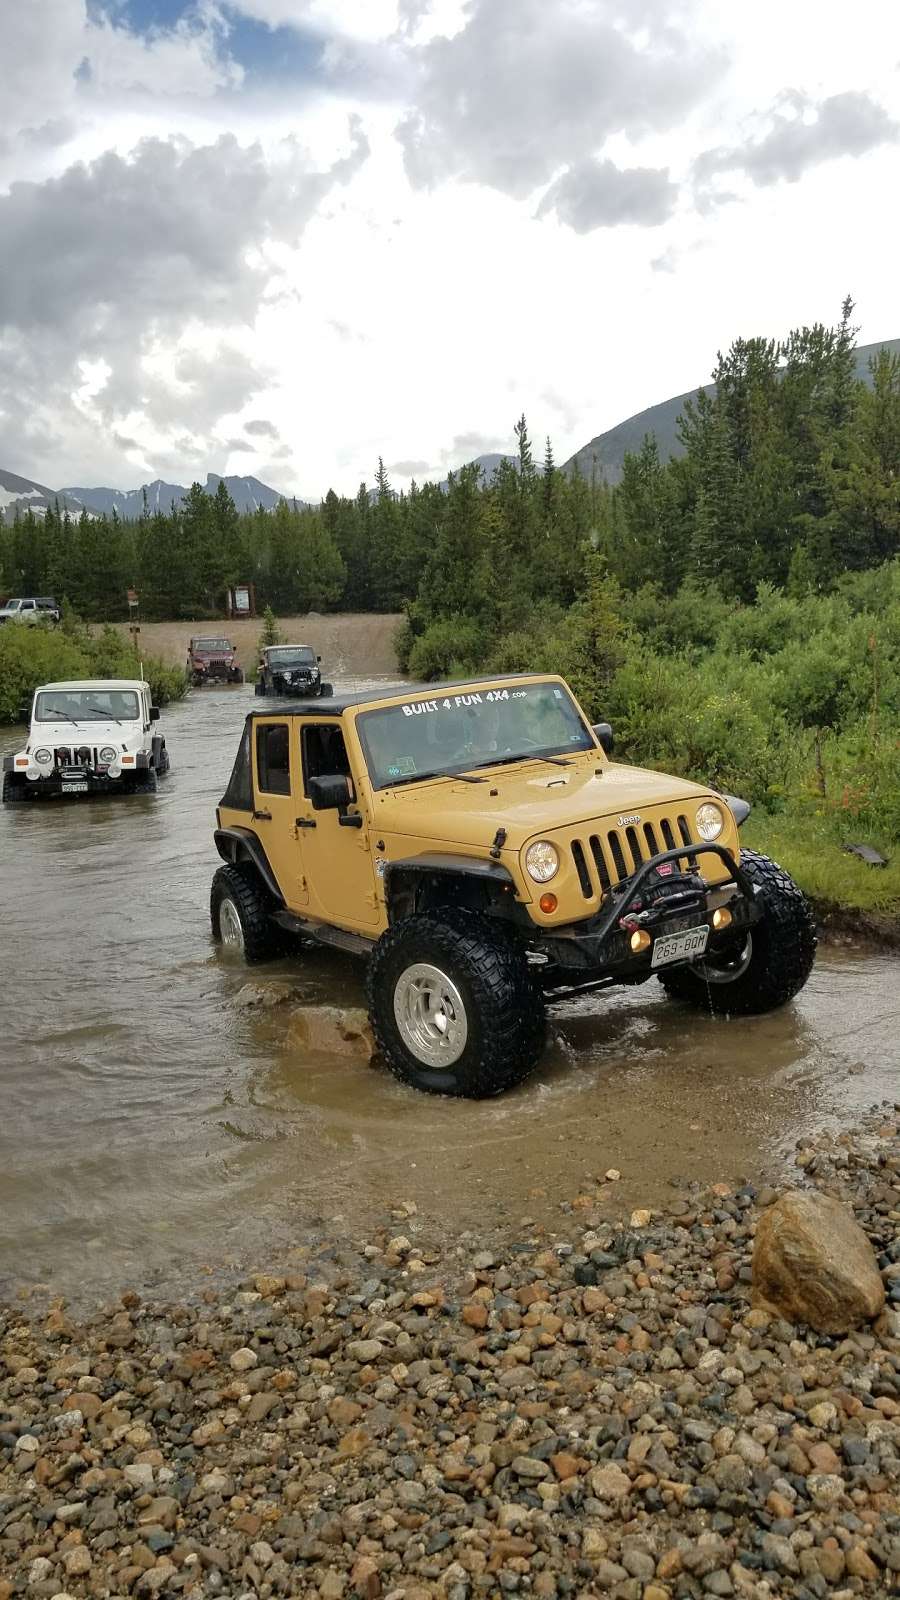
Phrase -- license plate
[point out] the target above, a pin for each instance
(679, 946)
(74, 788)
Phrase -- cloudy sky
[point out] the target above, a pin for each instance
(287, 237)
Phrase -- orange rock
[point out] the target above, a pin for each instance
(354, 1443)
(813, 1265)
(594, 1300)
(564, 1465)
(475, 1315)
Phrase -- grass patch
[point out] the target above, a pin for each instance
(809, 851)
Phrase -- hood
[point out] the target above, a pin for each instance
(90, 731)
(531, 798)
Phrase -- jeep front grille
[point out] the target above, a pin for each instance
(79, 755)
(606, 857)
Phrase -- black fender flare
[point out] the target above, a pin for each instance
(740, 809)
(488, 885)
(8, 764)
(240, 844)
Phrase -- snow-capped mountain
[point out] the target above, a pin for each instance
(248, 494)
(23, 494)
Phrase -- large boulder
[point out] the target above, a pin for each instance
(812, 1263)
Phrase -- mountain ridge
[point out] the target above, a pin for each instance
(606, 453)
(26, 494)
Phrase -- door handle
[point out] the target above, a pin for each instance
(262, 816)
(305, 822)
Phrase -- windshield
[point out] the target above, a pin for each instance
(87, 705)
(204, 646)
(12, 605)
(291, 655)
(464, 730)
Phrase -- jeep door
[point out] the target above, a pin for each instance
(276, 783)
(337, 851)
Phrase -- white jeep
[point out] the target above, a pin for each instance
(89, 736)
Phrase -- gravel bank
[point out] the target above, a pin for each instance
(594, 1411)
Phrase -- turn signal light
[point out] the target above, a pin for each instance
(128, 761)
(21, 761)
(721, 918)
(640, 940)
(548, 903)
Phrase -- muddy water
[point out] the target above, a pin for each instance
(149, 1125)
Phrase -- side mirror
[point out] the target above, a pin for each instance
(154, 713)
(331, 792)
(605, 737)
(318, 658)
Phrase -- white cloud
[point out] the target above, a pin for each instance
(802, 134)
(525, 87)
(179, 280)
(598, 194)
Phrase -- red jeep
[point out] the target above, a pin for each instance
(212, 659)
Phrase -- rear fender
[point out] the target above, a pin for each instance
(239, 844)
(426, 882)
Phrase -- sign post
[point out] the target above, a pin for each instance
(134, 626)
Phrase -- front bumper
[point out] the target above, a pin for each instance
(286, 686)
(601, 946)
(63, 779)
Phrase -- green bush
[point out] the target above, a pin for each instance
(31, 656)
(447, 649)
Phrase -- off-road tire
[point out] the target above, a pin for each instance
(504, 1006)
(14, 794)
(162, 761)
(259, 688)
(236, 675)
(781, 960)
(326, 690)
(242, 885)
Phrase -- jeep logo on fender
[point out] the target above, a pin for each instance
(625, 822)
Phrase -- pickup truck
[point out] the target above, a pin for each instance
(33, 608)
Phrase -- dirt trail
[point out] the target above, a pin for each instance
(350, 644)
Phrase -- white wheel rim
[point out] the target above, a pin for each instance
(430, 1015)
(733, 971)
(230, 927)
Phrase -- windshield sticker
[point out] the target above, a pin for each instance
(404, 767)
(419, 708)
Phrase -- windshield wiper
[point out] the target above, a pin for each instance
(93, 711)
(57, 711)
(523, 755)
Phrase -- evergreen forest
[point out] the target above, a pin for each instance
(734, 610)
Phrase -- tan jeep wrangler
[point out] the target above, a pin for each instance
(478, 843)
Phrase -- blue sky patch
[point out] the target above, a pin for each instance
(266, 54)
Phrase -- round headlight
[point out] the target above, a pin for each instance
(542, 861)
(43, 756)
(108, 754)
(710, 821)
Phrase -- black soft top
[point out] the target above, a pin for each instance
(336, 705)
(239, 793)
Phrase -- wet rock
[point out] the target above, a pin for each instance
(813, 1264)
(332, 1031)
(497, 1427)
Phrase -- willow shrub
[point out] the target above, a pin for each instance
(33, 655)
